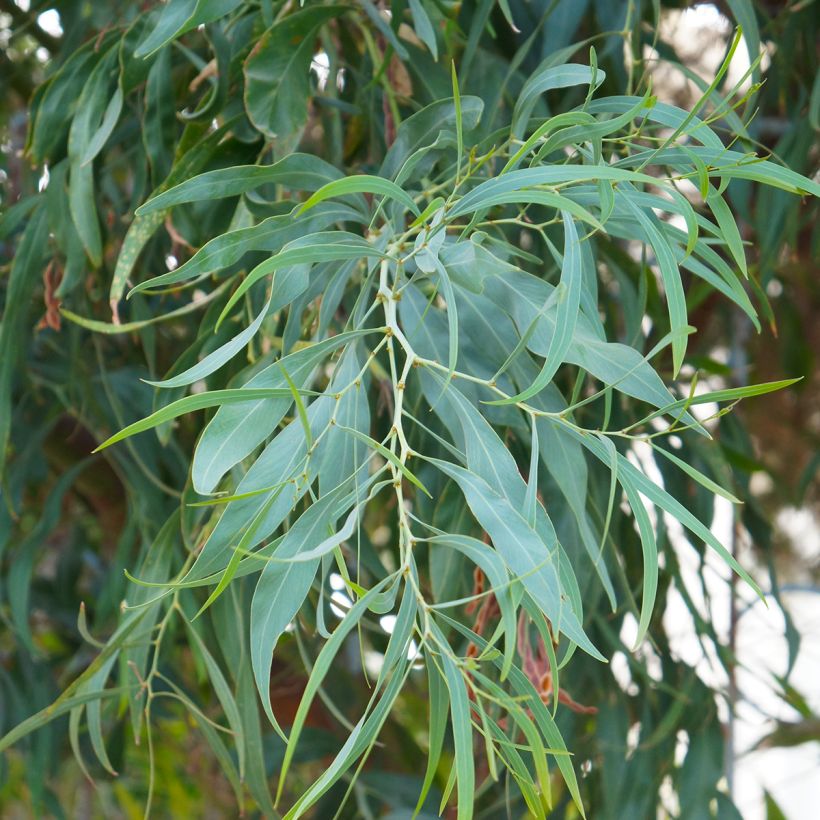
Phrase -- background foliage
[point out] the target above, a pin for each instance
(522, 263)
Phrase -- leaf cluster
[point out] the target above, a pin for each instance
(435, 296)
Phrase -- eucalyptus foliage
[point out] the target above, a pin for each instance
(430, 310)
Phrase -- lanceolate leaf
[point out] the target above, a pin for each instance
(300, 172)
(462, 737)
(327, 246)
(439, 701)
(144, 227)
(181, 16)
(524, 688)
(544, 79)
(657, 495)
(672, 283)
(502, 586)
(213, 361)
(729, 228)
(277, 74)
(360, 739)
(531, 560)
(81, 192)
(423, 26)
(733, 165)
(522, 179)
(279, 596)
(234, 432)
(614, 364)
(279, 472)
(50, 713)
(569, 302)
(362, 184)
(272, 234)
(430, 126)
(650, 554)
(21, 282)
(321, 669)
(199, 401)
(223, 692)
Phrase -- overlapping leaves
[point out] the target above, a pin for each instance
(420, 351)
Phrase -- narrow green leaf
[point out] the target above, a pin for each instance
(270, 235)
(360, 184)
(452, 318)
(432, 207)
(181, 16)
(112, 328)
(724, 67)
(649, 548)
(213, 361)
(109, 121)
(143, 227)
(301, 172)
(546, 78)
(423, 26)
(525, 178)
(565, 119)
(279, 595)
(256, 772)
(320, 669)
(94, 712)
(459, 121)
(300, 405)
(462, 737)
(244, 545)
(431, 127)
(57, 709)
(389, 455)
(715, 396)
(223, 693)
(531, 499)
(400, 638)
(530, 698)
(569, 300)
(672, 283)
(199, 401)
(729, 165)
(548, 198)
(595, 131)
(523, 550)
(25, 272)
(359, 740)
(697, 475)
(235, 430)
(325, 246)
(438, 700)
(728, 226)
(658, 496)
(492, 565)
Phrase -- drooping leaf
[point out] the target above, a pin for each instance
(545, 78)
(530, 559)
(568, 305)
(300, 172)
(234, 432)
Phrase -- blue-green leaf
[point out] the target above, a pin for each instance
(529, 558)
(568, 306)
